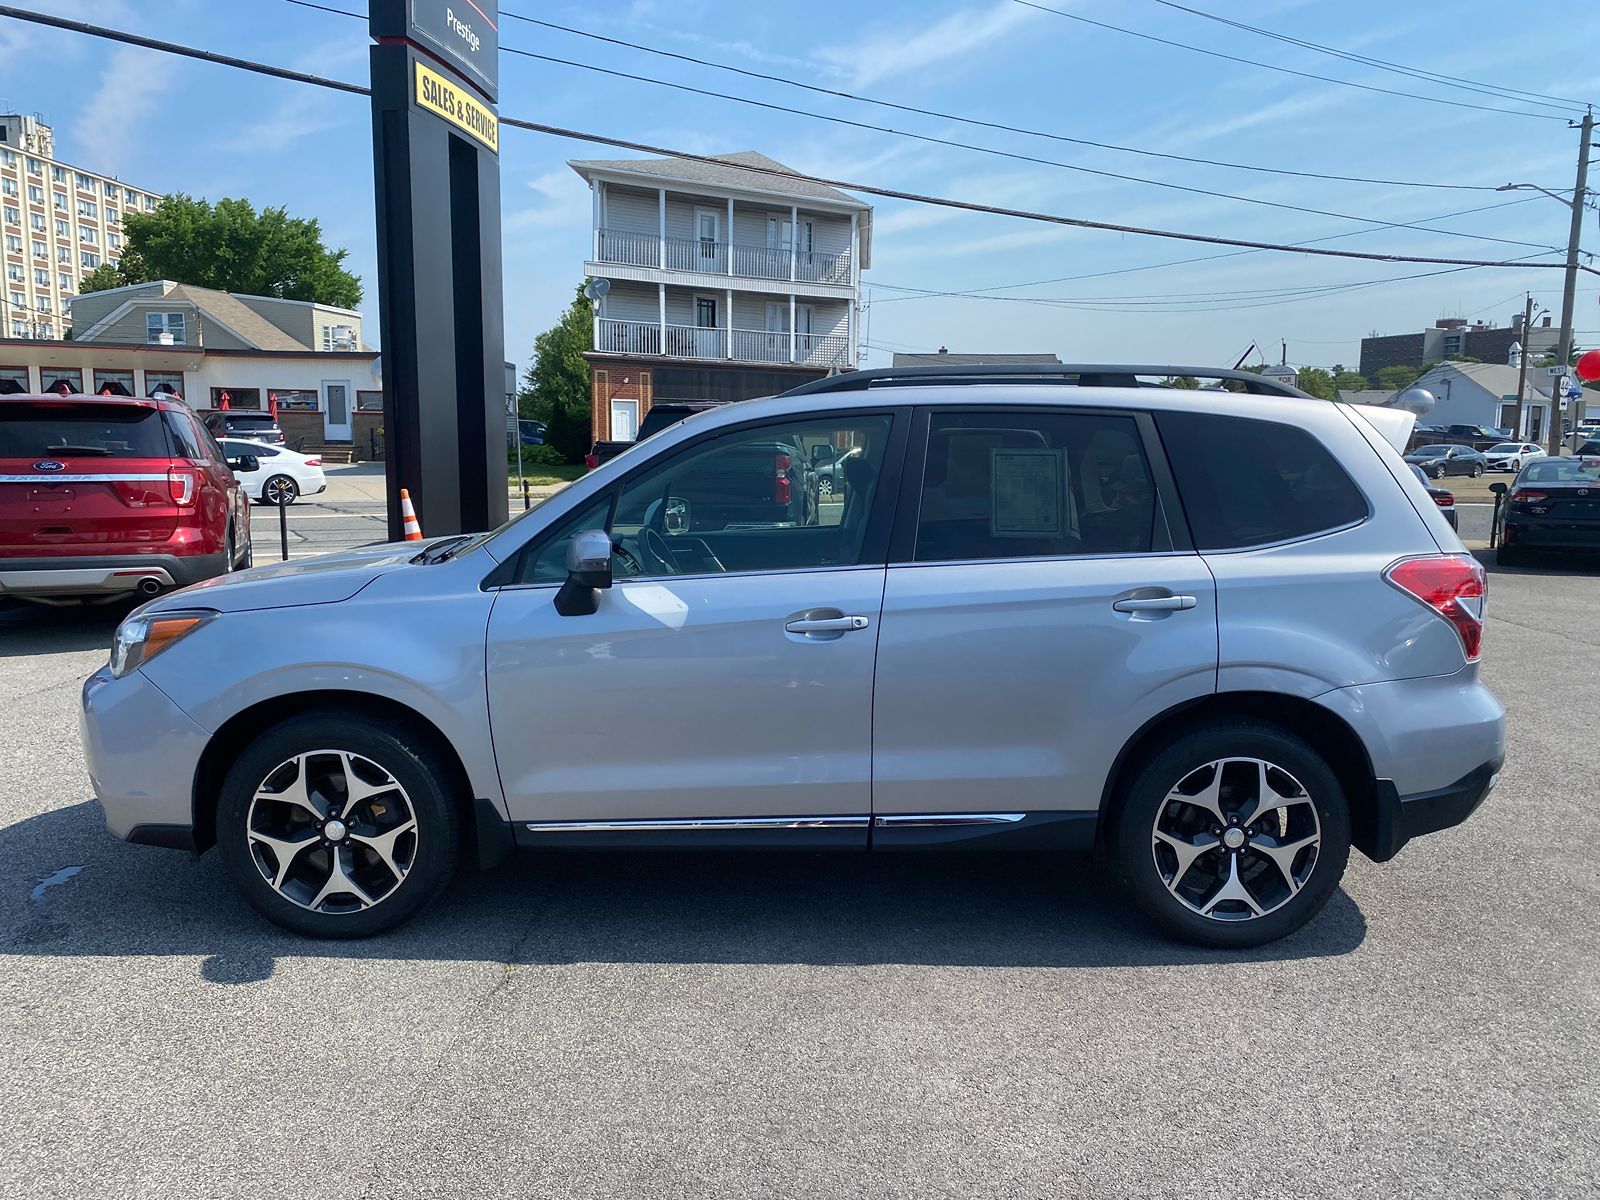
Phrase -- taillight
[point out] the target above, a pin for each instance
(1453, 586)
(1444, 499)
(591, 460)
(313, 462)
(782, 490)
(180, 486)
(1528, 496)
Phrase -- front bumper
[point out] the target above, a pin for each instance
(1399, 818)
(142, 751)
(102, 575)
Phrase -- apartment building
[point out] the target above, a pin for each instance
(58, 222)
(725, 280)
(1450, 336)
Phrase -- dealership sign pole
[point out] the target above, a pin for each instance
(436, 144)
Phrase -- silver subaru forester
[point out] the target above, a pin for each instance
(1219, 636)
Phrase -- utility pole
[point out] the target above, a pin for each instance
(1570, 285)
(1517, 429)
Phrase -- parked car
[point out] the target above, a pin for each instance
(1589, 449)
(1553, 504)
(1510, 456)
(531, 432)
(662, 415)
(1441, 460)
(103, 498)
(252, 426)
(831, 472)
(281, 476)
(1033, 623)
(1442, 497)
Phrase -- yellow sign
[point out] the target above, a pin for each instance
(443, 98)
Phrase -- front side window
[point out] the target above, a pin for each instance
(1028, 485)
(1251, 483)
(745, 500)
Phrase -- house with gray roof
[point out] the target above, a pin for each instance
(725, 278)
(1486, 394)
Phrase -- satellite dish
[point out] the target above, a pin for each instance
(596, 289)
(1417, 401)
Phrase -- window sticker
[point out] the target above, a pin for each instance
(1030, 488)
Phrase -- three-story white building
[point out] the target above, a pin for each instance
(727, 281)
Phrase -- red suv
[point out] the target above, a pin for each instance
(105, 496)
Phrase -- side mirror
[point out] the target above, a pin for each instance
(676, 517)
(1498, 488)
(244, 464)
(588, 570)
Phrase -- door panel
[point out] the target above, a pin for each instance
(687, 697)
(1012, 685)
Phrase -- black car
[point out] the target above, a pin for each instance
(662, 414)
(1445, 499)
(1440, 460)
(1553, 504)
(1591, 448)
(251, 426)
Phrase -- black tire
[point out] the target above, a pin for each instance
(1477, 470)
(412, 763)
(1146, 796)
(280, 485)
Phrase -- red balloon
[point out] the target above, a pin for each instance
(1589, 365)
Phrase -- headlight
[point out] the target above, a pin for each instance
(144, 635)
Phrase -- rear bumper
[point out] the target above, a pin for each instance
(1401, 818)
(1552, 535)
(100, 575)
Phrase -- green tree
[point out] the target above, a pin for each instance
(231, 247)
(1316, 382)
(1392, 379)
(1184, 383)
(1348, 381)
(555, 388)
(102, 279)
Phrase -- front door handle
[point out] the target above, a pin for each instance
(1153, 604)
(827, 625)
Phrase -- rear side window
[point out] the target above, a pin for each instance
(184, 437)
(1251, 483)
(77, 430)
(1030, 485)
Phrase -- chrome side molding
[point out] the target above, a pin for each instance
(689, 824)
(910, 820)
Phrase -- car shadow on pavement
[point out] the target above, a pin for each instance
(838, 909)
(28, 629)
(1547, 564)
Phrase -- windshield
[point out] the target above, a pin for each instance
(1431, 450)
(100, 430)
(251, 422)
(1505, 448)
(1561, 470)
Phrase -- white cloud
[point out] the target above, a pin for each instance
(566, 201)
(108, 127)
(869, 60)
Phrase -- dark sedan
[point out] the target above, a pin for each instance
(1443, 497)
(1440, 460)
(1553, 504)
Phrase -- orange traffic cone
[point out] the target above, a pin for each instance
(409, 514)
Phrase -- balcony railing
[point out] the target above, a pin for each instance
(713, 257)
(654, 340)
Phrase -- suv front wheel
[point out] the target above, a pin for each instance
(1233, 835)
(337, 824)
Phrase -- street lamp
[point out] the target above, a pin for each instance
(1533, 187)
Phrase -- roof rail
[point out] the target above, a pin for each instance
(1067, 374)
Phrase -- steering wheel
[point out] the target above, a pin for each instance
(629, 559)
(654, 545)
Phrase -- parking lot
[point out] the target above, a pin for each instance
(608, 1025)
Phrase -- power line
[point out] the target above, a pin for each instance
(1470, 85)
(1250, 62)
(868, 126)
(131, 39)
(975, 121)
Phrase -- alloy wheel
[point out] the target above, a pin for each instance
(825, 486)
(332, 832)
(280, 490)
(1236, 839)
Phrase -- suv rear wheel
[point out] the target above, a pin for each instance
(338, 825)
(1233, 835)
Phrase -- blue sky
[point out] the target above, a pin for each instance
(175, 124)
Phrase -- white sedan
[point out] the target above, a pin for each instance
(1509, 456)
(281, 477)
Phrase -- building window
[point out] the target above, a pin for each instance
(7, 157)
(234, 398)
(34, 167)
(41, 276)
(65, 281)
(19, 329)
(149, 204)
(130, 197)
(14, 273)
(293, 399)
(13, 243)
(163, 381)
(17, 376)
(87, 260)
(158, 323)
(13, 215)
(42, 303)
(113, 216)
(58, 174)
(369, 402)
(36, 221)
(40, 250)
(35, 193)
(111, 189)
(88, 208)
(51, 378)
(61, 202)
(64, 254)
(62, 228)
(89, 237)
(85, 184)
(8, 187)
(19, 300)
(113, 383)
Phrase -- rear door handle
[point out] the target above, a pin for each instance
(1154, 604)
(827, 625)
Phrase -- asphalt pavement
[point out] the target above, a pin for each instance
(742, 1025)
